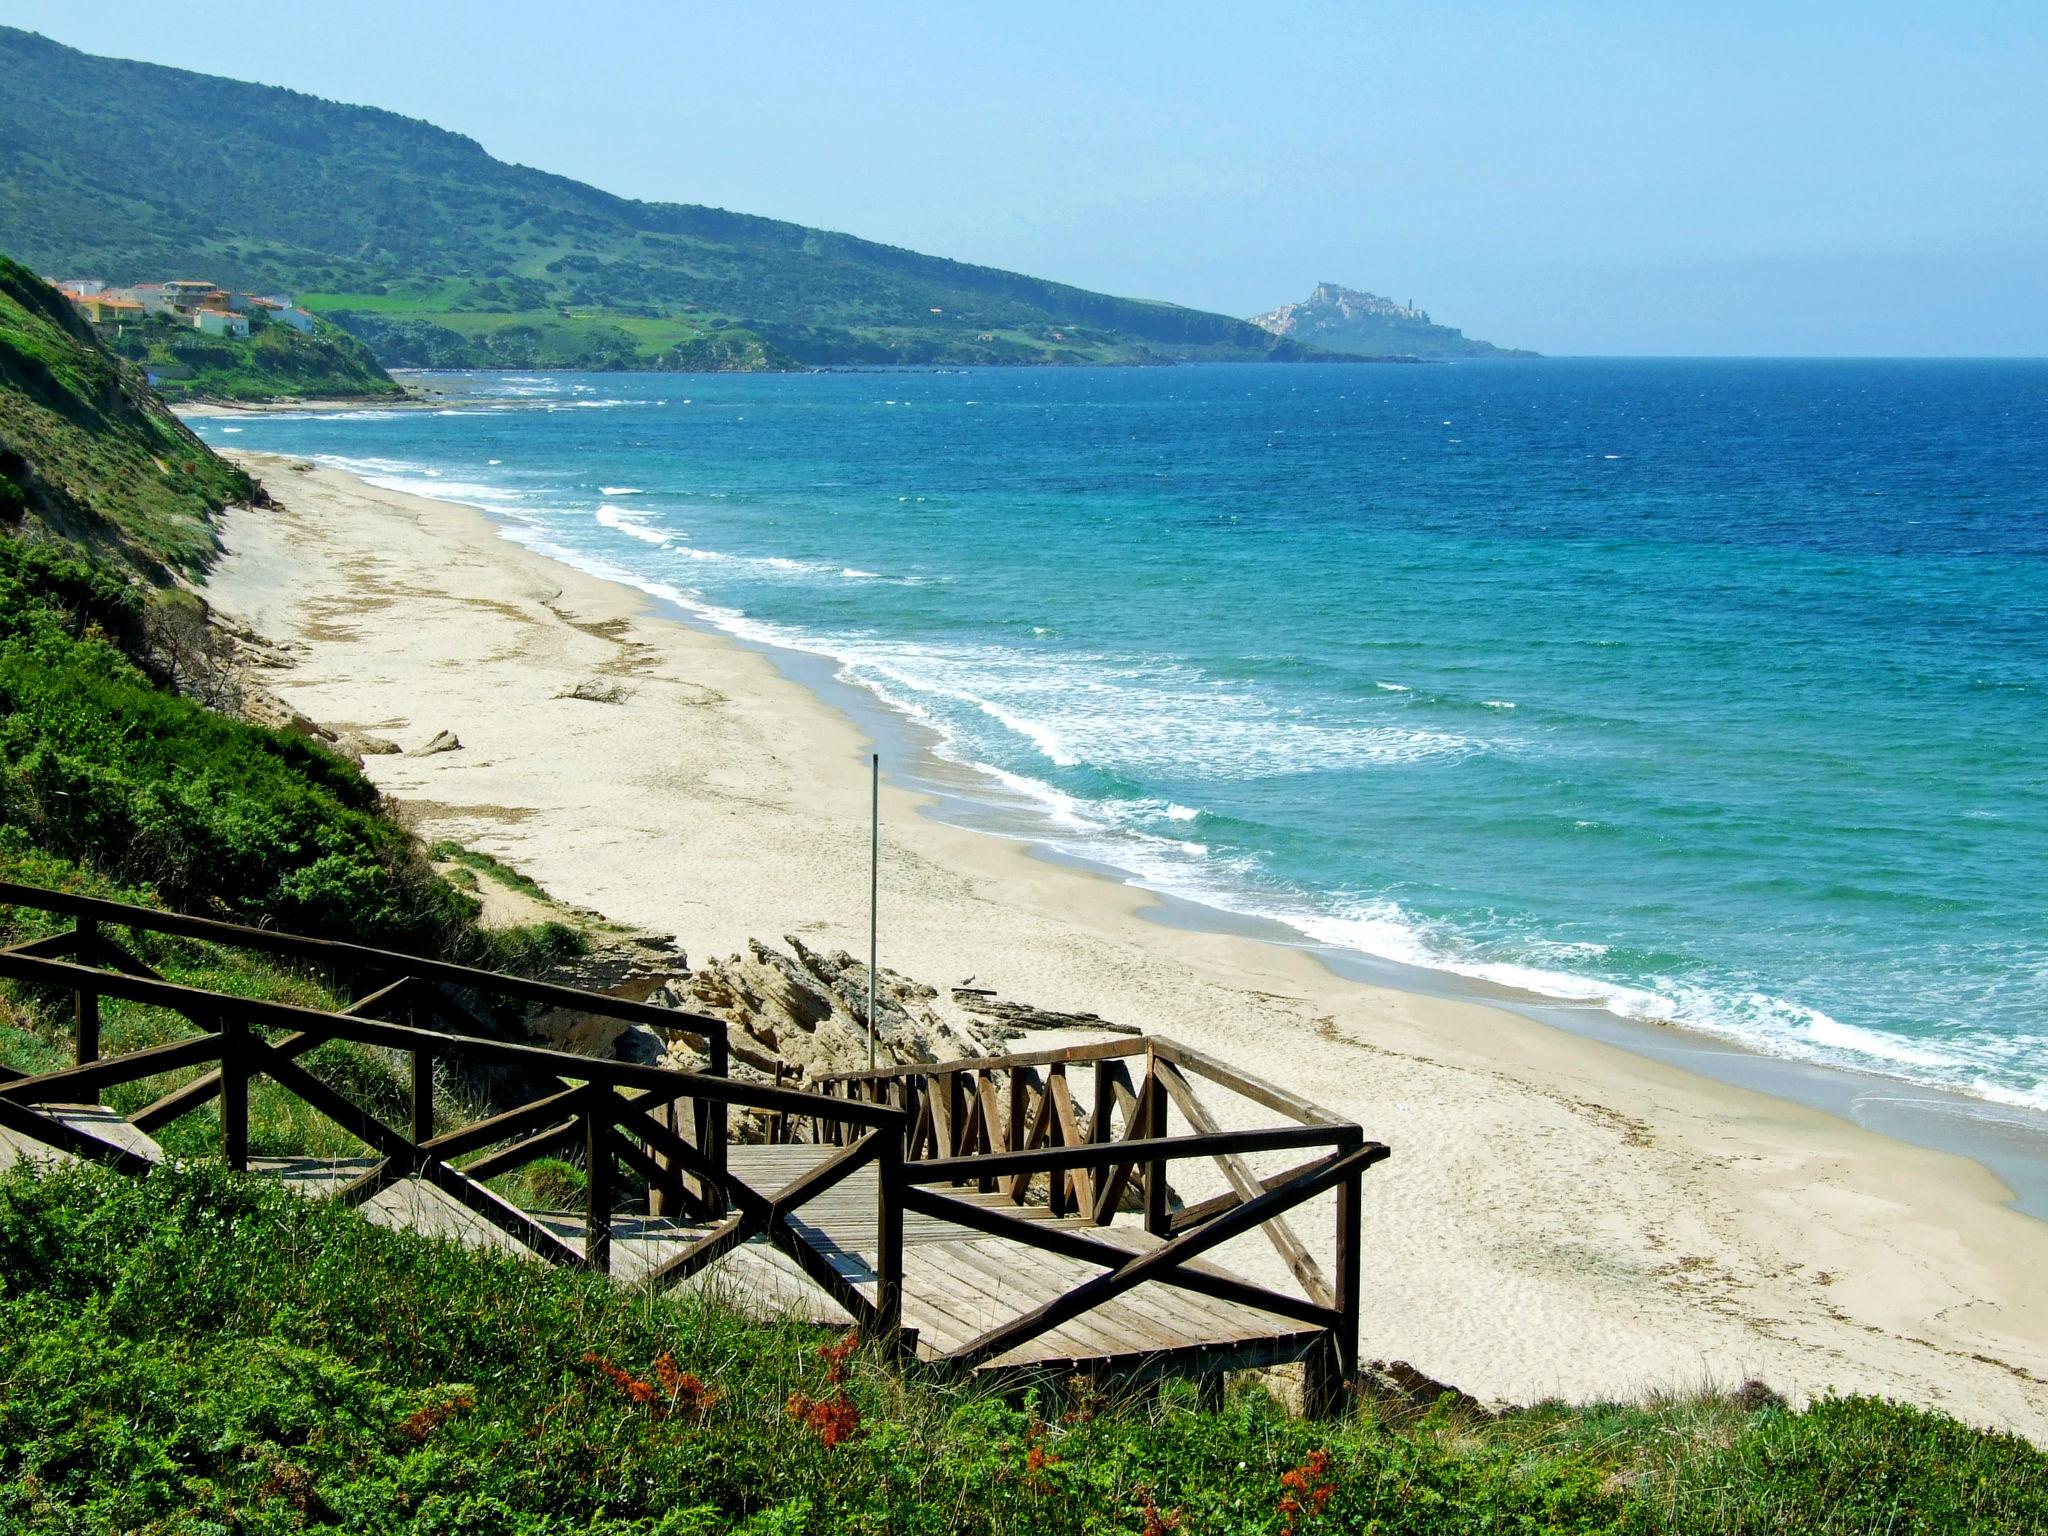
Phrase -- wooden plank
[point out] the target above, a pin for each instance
(1053, 1237)
(995, 1134)
(1257, 1089)
(1118, 1176)
(49, 1131)
(1208, 1210)
(1056, 1055)
(197, 1002)
(80, 1084)
(1037, 1103)
(366, 1128)
(357, 957)
(1293, 1253)
(951, 1170)
(1166, 1258)
(1079, 1185)
(182, 1101)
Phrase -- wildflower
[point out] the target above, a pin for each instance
(1155, 1522)
(835, 1356)
(835, 1420)
(1307, 1490)
(686, 1393)
(1036, 1458)
(635, 1389)
(424, 1421)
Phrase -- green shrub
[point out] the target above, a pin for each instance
(197, 1351)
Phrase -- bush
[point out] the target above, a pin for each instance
(199, 1351)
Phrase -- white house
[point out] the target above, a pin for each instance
(220, 322)
(298, 319)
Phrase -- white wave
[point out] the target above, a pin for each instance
(621, 490)
(1499, 703)
(632, 528)
(1393, 687)
(229, 431)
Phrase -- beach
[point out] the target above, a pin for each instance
(1560, 1217)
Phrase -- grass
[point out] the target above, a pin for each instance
(87, 454)
(273, 362)
(199, 1352)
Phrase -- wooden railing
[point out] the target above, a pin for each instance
(1001, 1123)
(1084, 1132)
(622, 1115)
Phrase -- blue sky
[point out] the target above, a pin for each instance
(1602, 178)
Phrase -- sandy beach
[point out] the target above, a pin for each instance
(1559, 1217)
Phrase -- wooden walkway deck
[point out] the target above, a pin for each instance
(957, 1283)
(1006, 1216)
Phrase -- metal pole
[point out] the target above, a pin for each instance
(874, 887)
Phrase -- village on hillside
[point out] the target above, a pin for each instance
(196, 302)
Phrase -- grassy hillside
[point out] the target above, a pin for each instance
(116, 781)
(419, 241)
(272, 362)
(204, 1353)
(87, 453)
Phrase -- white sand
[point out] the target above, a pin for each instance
(1559, 1216)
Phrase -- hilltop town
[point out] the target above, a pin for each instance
(193, 301)
(193, 338)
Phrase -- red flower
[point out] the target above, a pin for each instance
(1307, 1490)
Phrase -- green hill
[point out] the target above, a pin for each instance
(272, 362)
(418, 241)
(87, 453)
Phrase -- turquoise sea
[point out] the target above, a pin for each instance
(1713, 691)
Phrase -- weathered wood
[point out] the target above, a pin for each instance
(379, 1137)
(1333, 1367)
(1215, 1205)
(358, 958)
(76, 1085)
(1074, 1190)
(54, 1133)
(995, 1133)
(86, 1000)
(182, 1101)
(1246, 1186)
(597, 1185)
(1271, 1138)
(1257, 1089)
(236, 1045)
(1154, 1102)
(1071, 1242)
(1167, 1257)
(1039, 1127)
(193, 1001)
(1058, 1055)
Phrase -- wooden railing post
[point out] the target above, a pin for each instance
(1154, 1110)
(1332, 1365)
(234, 1092)
(422, 1078)
(1098, 1131)
(889, 1226)
(597, 1180)
(86, 1026)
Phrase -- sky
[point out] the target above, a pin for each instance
(1795, 178)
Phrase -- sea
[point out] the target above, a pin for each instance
(1711, 693)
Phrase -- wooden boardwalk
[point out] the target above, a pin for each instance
(1008, 1216)
(957, 1283)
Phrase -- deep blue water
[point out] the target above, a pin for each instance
(1716, 690)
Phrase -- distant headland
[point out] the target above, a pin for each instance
(1339, 319)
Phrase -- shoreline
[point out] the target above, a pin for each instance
(1561, 1216)
(2010, 1141)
